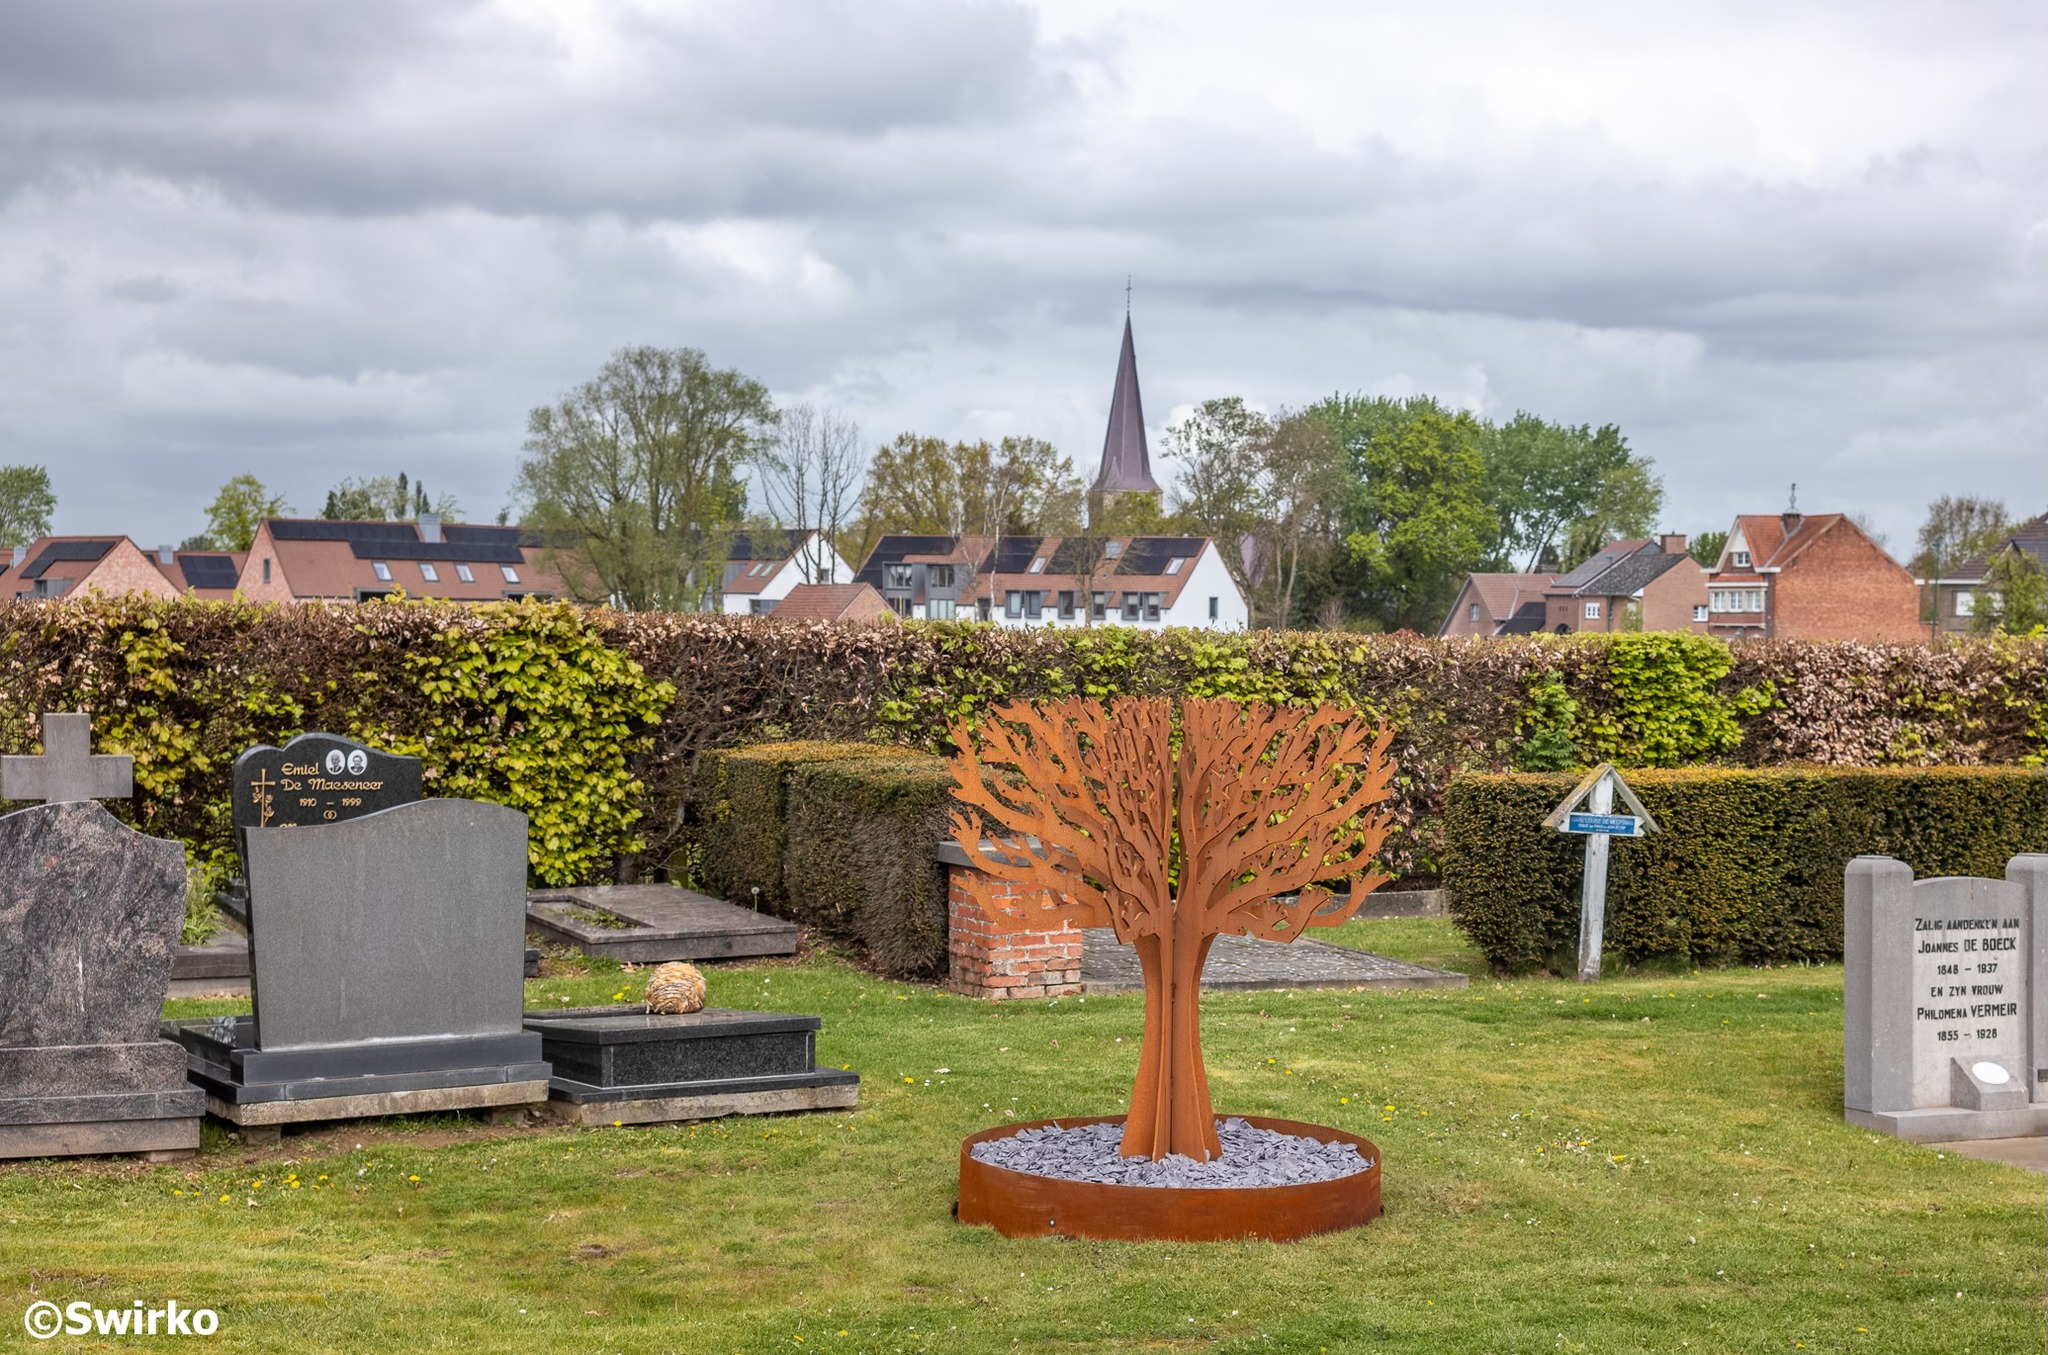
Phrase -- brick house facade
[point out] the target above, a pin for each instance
(1817, 576)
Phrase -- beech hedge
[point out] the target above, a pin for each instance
(1748, 869)
(594, 722)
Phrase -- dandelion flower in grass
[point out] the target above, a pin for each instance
(412, 1178)
(1343, 1100)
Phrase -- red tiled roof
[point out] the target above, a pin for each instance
(831, 602)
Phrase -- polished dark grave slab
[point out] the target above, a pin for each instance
(314, 779)
(647, 924)
(89, 912)
(1246, 963)
(614, 1066)
(387, 966)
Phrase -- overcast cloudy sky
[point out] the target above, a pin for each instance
(1773, 242)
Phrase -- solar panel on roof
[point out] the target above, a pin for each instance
(209, 571)
(489, 535)
(318, 529)
(65, 552)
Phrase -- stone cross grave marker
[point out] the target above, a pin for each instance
(89, 912)
(1945, 991)
(1597, 822)
(68, 768)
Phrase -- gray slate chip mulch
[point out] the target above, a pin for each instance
(1251, 1157)
(1249, 963)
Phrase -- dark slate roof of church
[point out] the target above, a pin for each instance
(1126, 461)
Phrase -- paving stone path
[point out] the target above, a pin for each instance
(1244, 963)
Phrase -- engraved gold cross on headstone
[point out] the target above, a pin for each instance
(68, 768)
(259, 792)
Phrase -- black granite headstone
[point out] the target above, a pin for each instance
(319, 778)
(89, 912)
(315, 778)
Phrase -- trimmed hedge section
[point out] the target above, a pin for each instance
(837, 836)
(1748, 869)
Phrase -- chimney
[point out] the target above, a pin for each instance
(430, 528)
(1672, 543)
(20, 554)
(1790, 520)
(166, 555)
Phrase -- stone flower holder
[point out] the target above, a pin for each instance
(1017, 1204)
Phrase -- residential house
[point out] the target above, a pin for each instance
(1809, 576)
(72, 566)
(1498, 604)
(1630, 585)
(762, 568)
(832, 602)
(313, 559)
(1148, 581)
(1956, 590)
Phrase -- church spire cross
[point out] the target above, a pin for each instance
(68, 768)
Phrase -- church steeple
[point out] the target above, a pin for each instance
(1126, 461)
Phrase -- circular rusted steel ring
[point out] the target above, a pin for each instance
(1017, 1204)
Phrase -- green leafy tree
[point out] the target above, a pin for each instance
(1419, 520)
(633, 479)
(1707, 548)
(1546, 480)
(1958, 526)
(238, 510)
(385, 498)
(1018, 487)
(1629, 501)
(2015, 595)
(26, 503)
(1221, 448)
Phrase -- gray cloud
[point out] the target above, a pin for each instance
(320, 240)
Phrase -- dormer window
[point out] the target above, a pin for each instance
(1740, 559)
(381, 570)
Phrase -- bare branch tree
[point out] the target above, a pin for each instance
(810, 475)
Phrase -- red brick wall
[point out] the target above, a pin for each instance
(1006, 941)
(125, 569)
(1844, 587)
(1669, 598)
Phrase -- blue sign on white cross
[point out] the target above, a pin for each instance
(1614, 825)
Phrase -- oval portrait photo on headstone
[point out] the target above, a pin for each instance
(358, 762)
(336, 761)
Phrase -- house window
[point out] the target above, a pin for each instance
(464, 573)
(1013, 603)
(511, 574)
(1699, 611)
(1112, 549)
(1736, 599)
(266, 570)
(898, 576)
(1152, 601)
(982, 608)
(1066, 604)
(1098, 606)
(1215, 609)
(939, 609)
(1593, 611)
(1966, 602)
(1034, 605)
(899, 604)
(937, 576)
(1134, 606)
(429, 573)
(756, 607)
(1173, 565)
(1037, 566)
(1472, 612)
(1740, 559)
(381, 570)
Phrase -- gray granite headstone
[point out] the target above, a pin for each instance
(68, 768)
(1945, 989)
(409, 923)
(90, 910)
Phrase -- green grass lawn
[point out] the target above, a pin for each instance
(1656, 1164)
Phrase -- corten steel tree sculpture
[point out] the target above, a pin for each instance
(1245, 829)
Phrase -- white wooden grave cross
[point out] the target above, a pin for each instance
(1598, 823)
(68, 768)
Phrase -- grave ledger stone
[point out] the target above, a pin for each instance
(89, 912)
(1945, 987)
(387, 971)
